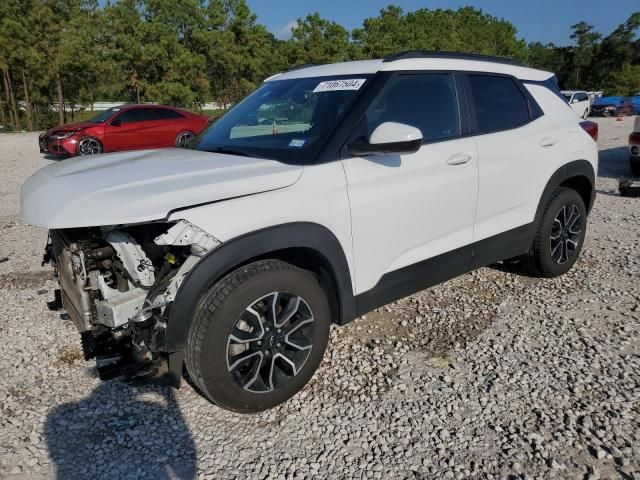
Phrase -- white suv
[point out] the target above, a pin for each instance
(328, 192)
(580, 102)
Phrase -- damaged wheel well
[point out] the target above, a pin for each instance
(305, 245)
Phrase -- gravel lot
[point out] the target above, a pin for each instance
(491, 375)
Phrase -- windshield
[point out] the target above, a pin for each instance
(104, 116)
(286, 120)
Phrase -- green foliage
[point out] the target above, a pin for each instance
(625, 81)
(316, 40)
(464, 30)
(190, 52)
(595, 62)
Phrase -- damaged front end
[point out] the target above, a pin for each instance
(116, 284)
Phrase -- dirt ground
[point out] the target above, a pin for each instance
(492, 375)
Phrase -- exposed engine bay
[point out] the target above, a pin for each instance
(116, 284)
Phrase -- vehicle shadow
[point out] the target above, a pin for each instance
(57, 158)
(514, 267)
(614, 162)
(121, 431)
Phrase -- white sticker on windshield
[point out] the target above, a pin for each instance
(335, 85)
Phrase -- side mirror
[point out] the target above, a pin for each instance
(116, 122)
(575, 100)
(389, 138)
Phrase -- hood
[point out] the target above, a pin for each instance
(69, 127)
(140, 186)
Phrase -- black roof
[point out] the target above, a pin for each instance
(304, 65)
(451, 55)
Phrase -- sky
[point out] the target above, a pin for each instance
(536, 20)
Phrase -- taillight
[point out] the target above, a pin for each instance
(591, 128)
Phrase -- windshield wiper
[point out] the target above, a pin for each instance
(229, 151)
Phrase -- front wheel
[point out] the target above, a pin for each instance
(585, 115)
(89, 146)
(634, 165)
(184, 138)
(258, 336)
(560, 235)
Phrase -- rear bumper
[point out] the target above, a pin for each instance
(604, 111)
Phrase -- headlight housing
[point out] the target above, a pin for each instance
(63, 135)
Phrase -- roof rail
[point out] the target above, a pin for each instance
(451, 55)
(304, 65)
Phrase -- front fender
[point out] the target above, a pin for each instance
(242, 250)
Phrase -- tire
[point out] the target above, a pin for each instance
(544, 259)
(634, 165)
(183, 138)
(233, 333)
(585, 115)
(89, 146)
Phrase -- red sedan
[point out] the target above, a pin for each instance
(129, 127)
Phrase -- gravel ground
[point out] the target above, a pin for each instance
(491, 375)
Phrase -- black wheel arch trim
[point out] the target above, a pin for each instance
(574, 169)
(243, 249)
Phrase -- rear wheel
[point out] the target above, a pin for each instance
(258, 336)
(89, 146)
(585, 115)
(560, 235)
(184, 138)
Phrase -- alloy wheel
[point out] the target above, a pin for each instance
(184, 138)
(89, 146)
(565, 234)
(270, 342)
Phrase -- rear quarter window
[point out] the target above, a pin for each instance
(498, 103)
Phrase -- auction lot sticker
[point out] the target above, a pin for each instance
(335, 85)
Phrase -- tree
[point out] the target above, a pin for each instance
(123, 37)
(586, 40)
(625, 81)
(316, 40)
(188, 52)
(15, 39)
(464, 30)
(545, 57)
(616, 50)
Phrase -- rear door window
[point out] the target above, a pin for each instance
(148, 114)
(166, 114)
(130, 116)
(425, 101)
(498, 103)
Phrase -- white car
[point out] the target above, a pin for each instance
(579, 100)
(371, 180)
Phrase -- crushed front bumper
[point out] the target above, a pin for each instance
(54, 146)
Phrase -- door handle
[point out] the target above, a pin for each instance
(459, 159)
(548, 142)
